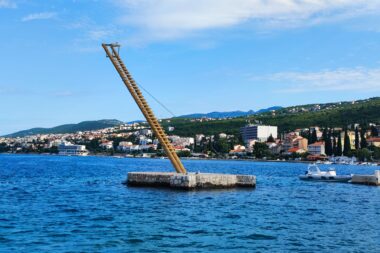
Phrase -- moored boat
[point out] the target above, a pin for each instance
(313, 173)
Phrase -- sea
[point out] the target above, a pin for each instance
(79, 204)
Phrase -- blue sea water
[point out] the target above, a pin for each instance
(78, 204)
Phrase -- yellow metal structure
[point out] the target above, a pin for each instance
(112, 51)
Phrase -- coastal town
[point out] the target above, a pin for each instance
(354, 144)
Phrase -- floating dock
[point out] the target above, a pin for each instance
(367, 179)
(190, 181)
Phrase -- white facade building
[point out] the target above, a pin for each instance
(181, 141)
(146, 132)
(258, 132)
(107, 145)
(66, 148)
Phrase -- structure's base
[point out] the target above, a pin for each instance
(190, 181)
(367, 179)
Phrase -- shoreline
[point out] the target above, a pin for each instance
(159, 158)
(182, 158)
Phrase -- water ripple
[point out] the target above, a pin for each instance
(78, 204)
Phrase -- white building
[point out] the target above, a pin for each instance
(199, 137)
(146, 131)
(181, 141)
(106, 145)
(66, 148)
(222, 136)
(135, 148)
(258, 132)
(145, 141)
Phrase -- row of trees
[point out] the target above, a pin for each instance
(333, 140)
(216, 144)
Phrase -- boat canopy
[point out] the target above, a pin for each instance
(313, 169)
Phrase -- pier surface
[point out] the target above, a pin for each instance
(367, 179)
(190, 181)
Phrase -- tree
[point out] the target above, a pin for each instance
(270, 138)
(339, 145)
(309, 140)
(54, 150)
(356, 138)
(305, 134)
(328, 144)
(363, 141)
(374, 131)
(376, 153)
(204, 145)
(221, 145)
(234, 141)
(363, 155)
(4, 147)
(324, 134)
(335, 147)
(184, 153)
(347, 144)
(314, 137)
(261, 150)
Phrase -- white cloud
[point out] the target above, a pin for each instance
(99, 34)
(326, 80)
(167, 19)
(92, 35)
(7, 4)
(39, 16)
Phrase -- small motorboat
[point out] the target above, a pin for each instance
(313, 173)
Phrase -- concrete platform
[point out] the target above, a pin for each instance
(190, 181)
(367, 179)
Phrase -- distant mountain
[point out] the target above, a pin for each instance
(232, 114)
(69, 128)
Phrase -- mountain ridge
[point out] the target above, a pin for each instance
(229, 114)
(68, 128)
(285, 117)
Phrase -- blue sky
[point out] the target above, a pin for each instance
(212, 55)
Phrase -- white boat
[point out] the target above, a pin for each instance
(315, 174)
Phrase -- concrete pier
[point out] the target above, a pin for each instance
(367, 179)
(190, 181)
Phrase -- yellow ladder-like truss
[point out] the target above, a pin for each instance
(112, 51)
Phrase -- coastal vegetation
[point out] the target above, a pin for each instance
(287, 119)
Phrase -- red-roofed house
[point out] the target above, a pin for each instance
(374, 141)
(238, 150)
(296, 150)
(294, 141)
(317, 148)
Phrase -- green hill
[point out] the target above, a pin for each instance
(338, 114)
(69, 128)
